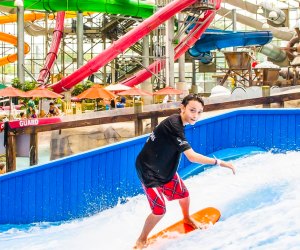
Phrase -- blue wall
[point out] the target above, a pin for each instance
(86, 183)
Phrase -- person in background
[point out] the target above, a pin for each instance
(157, 164)
(105, 103)
(120, 104)
(31, 103)
(30, 107)
(5, 119)
(33, 114)
(29, 112)
(112, 103)
(166, 99)
(22, 116)
(123, 100)
(2, 168)
(53, 110)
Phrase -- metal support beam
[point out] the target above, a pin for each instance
(234, 24)
(20, 45)
(181, 60)
(105, 67)
(33, 152)
(10, 150)
(146, 85)
(194, 72)
(170, 52)
(79, 33)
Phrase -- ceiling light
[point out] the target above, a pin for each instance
(18, 3)
(273, 14)
(260, 10)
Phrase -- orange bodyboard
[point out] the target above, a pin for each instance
(206, 216)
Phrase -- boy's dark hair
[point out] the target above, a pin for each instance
(51, 103)
(192, 97)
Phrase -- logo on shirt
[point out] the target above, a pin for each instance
(181, 142)
(152, 136)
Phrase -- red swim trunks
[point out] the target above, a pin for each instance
(173, 190)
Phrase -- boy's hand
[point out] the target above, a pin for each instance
(228, 165)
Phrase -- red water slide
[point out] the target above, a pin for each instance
(52, 54)
(122, 44)
(180, 49)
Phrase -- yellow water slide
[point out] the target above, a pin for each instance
(36, 16)
(27, 17)
(12, 40)
(8, 38)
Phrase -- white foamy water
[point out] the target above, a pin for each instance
(260, 210)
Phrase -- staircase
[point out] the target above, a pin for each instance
(114, 28)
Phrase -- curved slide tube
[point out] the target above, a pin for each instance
(267, 7)
(14, 41)
(34, 16)
(272, 51)
(180, 49)
(57, 35)
(52, 54)
(277, 32)
(137, 8)
(29, 26)
(36, 30)
(219, 39)
(122, 44)
(11, 18)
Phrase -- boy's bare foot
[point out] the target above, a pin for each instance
(140, 244)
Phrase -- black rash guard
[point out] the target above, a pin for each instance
(158, 161)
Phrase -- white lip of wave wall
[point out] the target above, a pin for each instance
(222, 94)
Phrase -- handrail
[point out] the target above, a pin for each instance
(137, 118)
(159, 113)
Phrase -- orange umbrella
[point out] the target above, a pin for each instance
(12, 92)
(135, 92)
(168, 91)
(95, 92)
(117, 87)
(43, 92)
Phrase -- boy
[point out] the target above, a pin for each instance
(158, 161)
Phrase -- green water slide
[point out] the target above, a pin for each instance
(136, 8)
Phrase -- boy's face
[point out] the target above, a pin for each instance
(191, 112)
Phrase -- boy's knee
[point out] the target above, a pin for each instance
(159, 212)
(159, 215)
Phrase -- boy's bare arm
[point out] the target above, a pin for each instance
(199, 158)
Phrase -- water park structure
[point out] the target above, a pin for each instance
(117, 68)
(249, 48)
